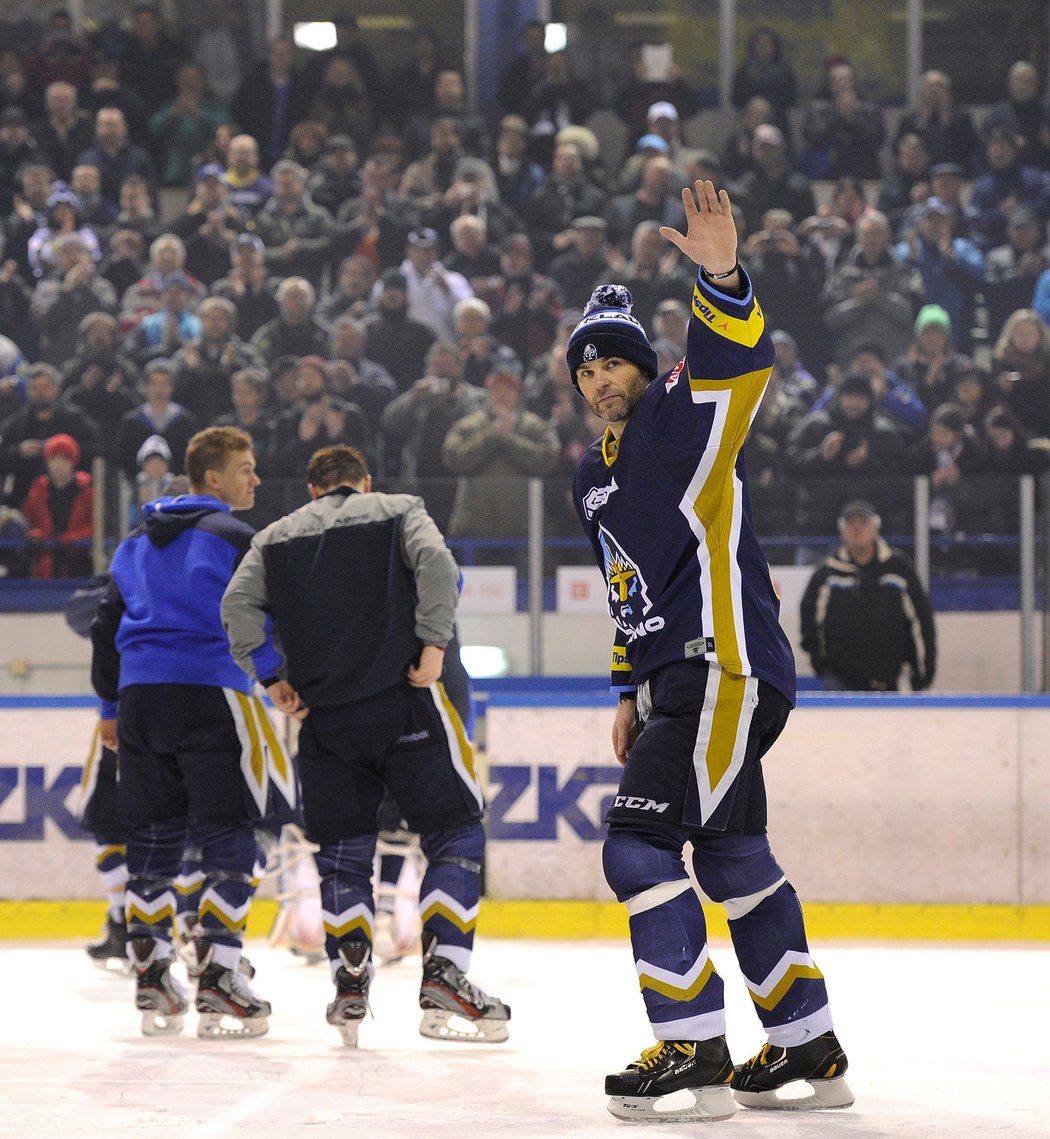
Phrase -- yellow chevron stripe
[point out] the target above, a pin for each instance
(258, 765)
(164, 915)
(725, 725)
(794, 973)
(280, 759)
(465, 749)
(360, 922)
(439, 909)
(110, 852)
(234, 925)
(674, 992)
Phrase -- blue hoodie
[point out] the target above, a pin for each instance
(159, 622)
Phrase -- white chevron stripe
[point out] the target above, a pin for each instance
(738, 907)
(778, 972)
(678, 980)
(439, 897)
(361, 911)
(164, 901)
(236, 914)
(656, 896)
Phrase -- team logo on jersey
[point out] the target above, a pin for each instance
(627, 593)
(597, 497)
(590, 353)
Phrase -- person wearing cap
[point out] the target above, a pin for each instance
(183, 127)
(432, 290)
(705, 678)
(865, 614)
(248, 284)
(952, 268)
(336, 176)
(1006, 182)
(772, 183)
(155, 476)
(658, 105)
(393, 338)
(495, 451)
(317, 419)
(945, 127)
(1012, 270)
(59, 509)
(164, 332)
(158, 414)
(518, 176)
(845, 443)
(64, 216)
(208, 225)
(590, 258)
(930, 365)
(295, 231)
(61, 300)
(567, 193)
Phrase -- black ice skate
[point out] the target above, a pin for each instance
(110, 951)
(647, 1090)
(820, 1063)
(351, 991)
(453, 1007)
(227, 1006)
(158, 996)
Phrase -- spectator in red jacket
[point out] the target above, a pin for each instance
(59, 506)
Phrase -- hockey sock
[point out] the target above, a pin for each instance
(189, 882)
(451, 887)
(227, 860)
(347, 905)
(153, 853)
(112, 866)
(769, 935)
(683, 994)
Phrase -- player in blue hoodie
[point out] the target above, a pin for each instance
(195, 745)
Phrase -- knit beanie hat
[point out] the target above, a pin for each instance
(608, 329)
(64, 445)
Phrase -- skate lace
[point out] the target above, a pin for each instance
(239, 986)
(650, 1057)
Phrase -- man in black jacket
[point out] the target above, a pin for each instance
(865, 614)
(361, 590)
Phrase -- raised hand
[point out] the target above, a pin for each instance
(710, 238)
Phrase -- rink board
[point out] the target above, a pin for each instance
(891, 806)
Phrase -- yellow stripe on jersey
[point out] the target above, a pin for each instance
(256, 763)
(739, 331)
(466, 751)
(722, 745)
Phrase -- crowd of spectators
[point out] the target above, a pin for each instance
(356, 258)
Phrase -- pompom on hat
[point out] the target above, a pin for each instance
(608, 329)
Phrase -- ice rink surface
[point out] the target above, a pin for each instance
(942, 1042)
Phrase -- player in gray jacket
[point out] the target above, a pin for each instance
(361, 591)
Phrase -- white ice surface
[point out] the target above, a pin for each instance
(942, 1042)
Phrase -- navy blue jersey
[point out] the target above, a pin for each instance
(668, 512)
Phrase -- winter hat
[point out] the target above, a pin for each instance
(154, 445)
(608, 329)
(933, 316)
(62, 445)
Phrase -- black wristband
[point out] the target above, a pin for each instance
(625, 696)
(722, 276)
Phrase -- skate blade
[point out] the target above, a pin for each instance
(225, 1026)
(709, 1104)
(823, 1095)
(113, 966)
(156, 1023)
(440, 1024)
